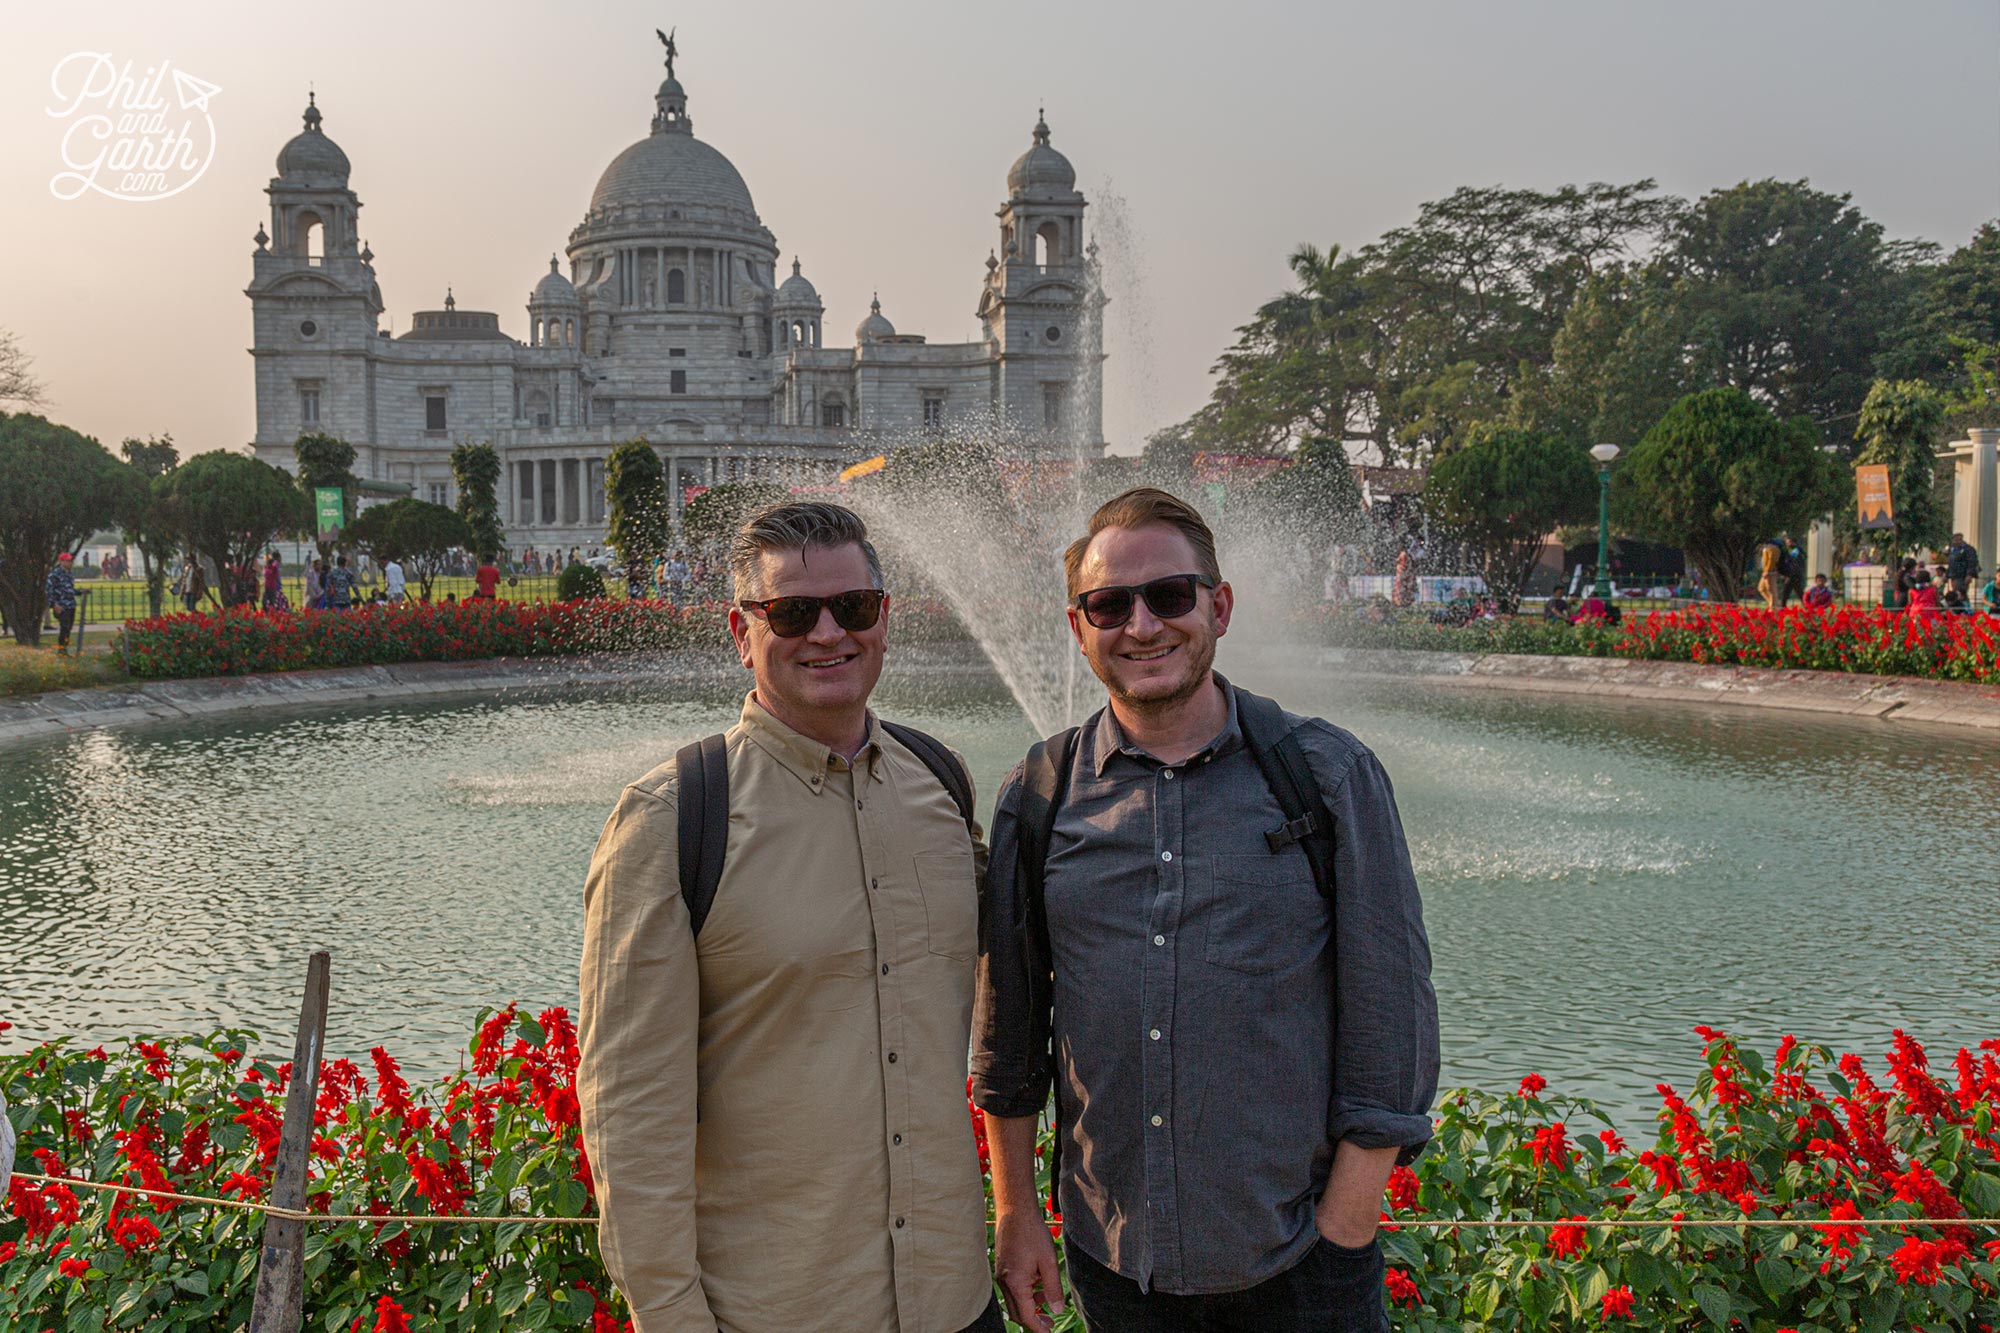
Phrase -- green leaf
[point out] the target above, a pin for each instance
(532, 1031)
(511, 1292)
(1714, 1303)
(1595, 1283)
(1776, 1275)
(197, 1283)
(1878, 1310)
(1984, 1192)
(1484, 1298)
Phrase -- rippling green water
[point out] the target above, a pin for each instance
(1598, 877)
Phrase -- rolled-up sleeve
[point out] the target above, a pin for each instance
(638, 1018)
(1010, 1014)
(1385, 1052)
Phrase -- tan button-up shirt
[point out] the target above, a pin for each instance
(776, 1114)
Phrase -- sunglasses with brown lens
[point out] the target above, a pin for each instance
(1111, 606)
(789, 617)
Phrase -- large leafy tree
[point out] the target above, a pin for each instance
(1956, 304)
(1790, 292)
(143, 517)
(1415, 339)
(227, 508)
(712, 517)
(1719, 473)
(417, 534)
(1505, 492)
(1901, 422)
(328, 460)
(1619, 361)
(57, 486)
(637, 514)
(476, 467)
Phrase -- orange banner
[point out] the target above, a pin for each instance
(1871, 490)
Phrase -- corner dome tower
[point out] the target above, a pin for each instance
(310, 155)
(876, 326)
(1041, 170)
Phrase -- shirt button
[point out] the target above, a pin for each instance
(1166, 856)
(1159, 939)
(899, 1224)
(1168, 775)
(897, 1139)
(892, 1057)
(1154, 1034)
(1158, 1121)
(857, 805)
(885, 969)
(874, 884)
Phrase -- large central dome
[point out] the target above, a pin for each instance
(670, 166)
(676, 169)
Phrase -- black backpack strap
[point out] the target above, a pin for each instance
(943, 767)
(703, 768)
(1282, 760)
(1044, 784)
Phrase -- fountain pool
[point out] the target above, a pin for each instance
(1598, 877)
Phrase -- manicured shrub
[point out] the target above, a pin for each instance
(243, 640)
(579, 582)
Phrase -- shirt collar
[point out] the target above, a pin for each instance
(1110, 737)
(804, 758)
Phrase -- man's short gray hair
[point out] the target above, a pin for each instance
(796, 526)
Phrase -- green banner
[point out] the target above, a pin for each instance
(327, 501)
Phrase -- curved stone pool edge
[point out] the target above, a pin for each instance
(1874, 698)
(65, 712)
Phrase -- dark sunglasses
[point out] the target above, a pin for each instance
(1110, 607)
(789, 617)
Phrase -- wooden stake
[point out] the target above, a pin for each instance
(279, 1303)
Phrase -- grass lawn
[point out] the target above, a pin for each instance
(33, 670)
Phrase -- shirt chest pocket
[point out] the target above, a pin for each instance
(951, 903)
(1262, 913)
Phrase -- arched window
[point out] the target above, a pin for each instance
(677, 287)
(833, 411)
(799, 333)
(569, 333)
(537, 408)
(312, 238)
(1048, 244)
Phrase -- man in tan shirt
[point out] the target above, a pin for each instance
(774, 1107)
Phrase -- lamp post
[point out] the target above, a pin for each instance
(1603, 453)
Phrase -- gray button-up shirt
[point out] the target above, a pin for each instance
(1219, 1026)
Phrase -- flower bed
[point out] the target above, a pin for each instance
(241, 640)
(1867, 640)
(501, 1136)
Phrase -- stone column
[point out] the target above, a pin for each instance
(1983, 483)
(1819, 548)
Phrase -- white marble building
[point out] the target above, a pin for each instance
(668, 321)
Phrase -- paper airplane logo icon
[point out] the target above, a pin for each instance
(193, 92)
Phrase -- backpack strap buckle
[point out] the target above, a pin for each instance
(1291, 831)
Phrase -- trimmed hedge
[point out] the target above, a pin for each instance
(242, 640)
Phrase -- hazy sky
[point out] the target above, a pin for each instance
(876, 137)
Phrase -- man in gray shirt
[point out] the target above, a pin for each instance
(1237, 999)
